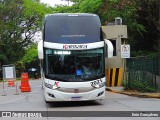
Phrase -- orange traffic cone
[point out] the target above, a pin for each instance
(11, 83)
(25, 87)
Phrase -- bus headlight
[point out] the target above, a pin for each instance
(51, 86)
(99, 85)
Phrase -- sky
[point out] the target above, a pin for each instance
(54, 2)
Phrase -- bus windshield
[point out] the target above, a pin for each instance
(72, 29)
(74, 66)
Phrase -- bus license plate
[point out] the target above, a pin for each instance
(78, 98)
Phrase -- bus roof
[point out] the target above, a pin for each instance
(70, 14)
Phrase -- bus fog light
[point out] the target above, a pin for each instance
(101, 93)
(51, 95)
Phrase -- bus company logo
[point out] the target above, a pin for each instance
(76, 91)
(74, 46)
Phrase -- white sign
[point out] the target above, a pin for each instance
(125, 51)
(9, 72)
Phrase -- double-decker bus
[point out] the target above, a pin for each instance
(72, 55)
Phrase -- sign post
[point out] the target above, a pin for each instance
(9, 73)
(125, 53)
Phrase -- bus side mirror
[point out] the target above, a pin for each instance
(108, 48)
(40, 50)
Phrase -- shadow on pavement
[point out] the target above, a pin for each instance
(73, 104)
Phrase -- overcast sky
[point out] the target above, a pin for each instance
(54, 2)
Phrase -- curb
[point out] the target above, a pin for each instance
(135, 94)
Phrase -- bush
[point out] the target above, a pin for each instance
(142, 86)
(124, 84)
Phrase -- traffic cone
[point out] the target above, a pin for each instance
(25, 87)
(11, 83)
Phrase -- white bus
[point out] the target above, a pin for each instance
(72, 55)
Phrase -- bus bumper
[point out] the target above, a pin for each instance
(54, 95)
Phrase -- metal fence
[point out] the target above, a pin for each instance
(143, 69)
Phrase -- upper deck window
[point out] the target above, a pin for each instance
(72, 29)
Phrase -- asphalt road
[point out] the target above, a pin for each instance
(117, 105)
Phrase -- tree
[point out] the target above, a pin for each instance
(149, 16)
(10, 37)
(31, 54)
(89, 6)
(17, 18)
(30, 59)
